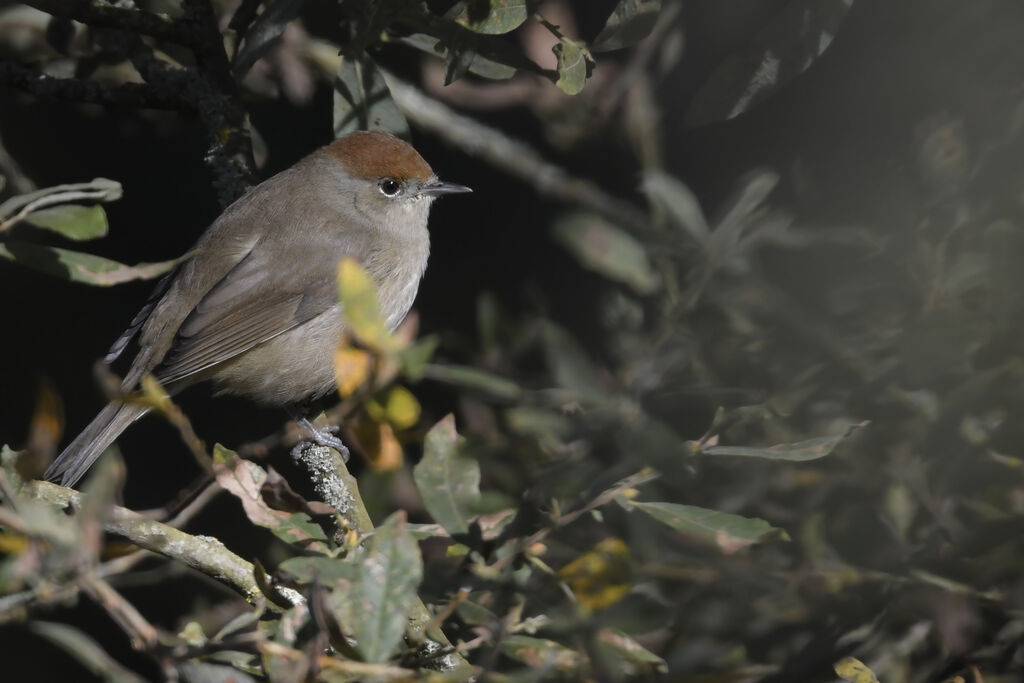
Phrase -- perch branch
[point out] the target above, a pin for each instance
(203, 554)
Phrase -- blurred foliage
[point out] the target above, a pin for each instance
(781, 450)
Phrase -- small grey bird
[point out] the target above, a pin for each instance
(255, 308)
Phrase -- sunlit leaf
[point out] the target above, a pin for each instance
(79, 267)
(493, 16)
(376, 604)
(629, 23)
(601, 576)
(362, 100)
(853, 669)
(73, 221)
(573, 65)
(606, 249)
(729, 532)
(351, 369)
(358, 295)
(449, 483)
(811, 449)
(376, 439)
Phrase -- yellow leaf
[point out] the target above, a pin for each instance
(600, 577)
(358, 295)
(401, 408)
(378, 443)
(351, 369)
(853, 669)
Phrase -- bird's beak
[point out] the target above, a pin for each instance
(437, 188)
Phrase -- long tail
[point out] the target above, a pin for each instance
(94, 439)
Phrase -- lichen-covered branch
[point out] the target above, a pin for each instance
(204, 554)
(133, 95)
(109, 16)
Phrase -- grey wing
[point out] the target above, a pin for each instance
(253, 303)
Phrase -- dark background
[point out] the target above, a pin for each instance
(846, 126)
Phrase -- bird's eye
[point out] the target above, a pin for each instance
(390, 187)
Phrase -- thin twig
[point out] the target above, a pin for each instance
(142, 634)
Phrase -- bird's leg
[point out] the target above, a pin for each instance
(320, 436)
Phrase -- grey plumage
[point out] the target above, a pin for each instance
(255, 309)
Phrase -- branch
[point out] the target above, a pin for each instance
(512, 156)
(336, 485)
(203, 554)
(101, 14)
(134, 95)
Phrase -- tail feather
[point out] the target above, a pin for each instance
(81, 453)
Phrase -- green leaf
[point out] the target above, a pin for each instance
(800, 451)
(244, 479)
(729, 532)
(679, 204)
(474, 379)
(493, 17)
(375, 607)
(538, 653)
(362, 100)
(606, 249)
(743, 208)
(415, 358)
(328, 570)
(629, 23)
(481, 66)
(573, 65)
(358, 295)
(96, 190)
(80, 267)
(569, 362)
(73, 221)
(449, 483)
(787, 45)
(638, 659)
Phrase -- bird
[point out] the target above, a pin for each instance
(255, 307)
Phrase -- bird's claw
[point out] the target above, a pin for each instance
(321, 437)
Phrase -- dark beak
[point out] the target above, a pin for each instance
(437, 188)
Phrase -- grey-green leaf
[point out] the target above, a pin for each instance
(572, 66)
(606, 249)
(265, 32)
(481, 66)
(800, 451)
(679, 204)
(73, 221)
(80, 267)
(729, 532)
(362, 100)
(449, 483)
(792, 41)
(377, 604)
(493, 17)
(629, 23)
(96, 190)
(85, 650)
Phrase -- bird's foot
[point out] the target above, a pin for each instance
(319, 436)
